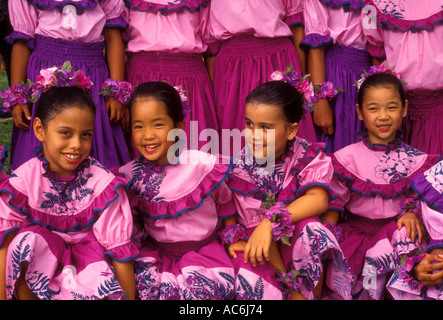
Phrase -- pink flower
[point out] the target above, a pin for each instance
(277, 76)
(46, 76)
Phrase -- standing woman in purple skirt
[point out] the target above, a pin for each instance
(255, 38)
(337, 52)
(167, 41)
(47, 33)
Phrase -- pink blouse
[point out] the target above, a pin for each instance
(409, 36)
(81, 21)
(90, 200)
(167, 26)
(181, 200)
(260, 18)
(336, 21)
(373, 181)
(303, 166)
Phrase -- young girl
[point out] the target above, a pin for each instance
(371, 182)
(408, 36)
(48, 33)
(425, 281)
(254, 38)
(167, 41)
(294, 172)
(177, 197)
(65, 220)
(337, 52)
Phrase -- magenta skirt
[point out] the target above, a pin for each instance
(188, 70)
(423, 125)
(242, 64)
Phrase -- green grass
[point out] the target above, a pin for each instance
(5, 123)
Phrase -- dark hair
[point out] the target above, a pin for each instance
(281, 94)
(384, 80)
(163, 92)
(57, 99)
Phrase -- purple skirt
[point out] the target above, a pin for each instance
(188, 70)
(108, 142)
(193, 270)
(58, 269)
(373, 249)
(343, 67)
(423, 125)
(242, 64)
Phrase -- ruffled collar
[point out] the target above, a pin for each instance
(346, 4)
(79, 5)
(47, 173)
(172, 6)
(393, 145)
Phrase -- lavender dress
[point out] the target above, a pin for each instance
(303, 166)
(179, 204)
(68, 230)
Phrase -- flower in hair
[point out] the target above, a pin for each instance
(184, 97)
(311, 92)
(119, 90)
(383, 68)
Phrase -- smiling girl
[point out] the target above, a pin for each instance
(177, 197)
(65, 220)
(371, 182)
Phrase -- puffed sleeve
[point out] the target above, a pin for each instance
(224, 200)
(206, 32)
(114, 228)
(316, 19)
(10, 216)
(373, 33)
(115, 13)
(318, 172)
(24, 20)
(340, 194)
(293, 11)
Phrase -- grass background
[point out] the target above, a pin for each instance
(5, 123)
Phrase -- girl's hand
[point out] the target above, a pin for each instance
(323, 116)
(239, 246)
(413, 226)
(17, 113)
(259, 243)
(429, 271)
(115, 110)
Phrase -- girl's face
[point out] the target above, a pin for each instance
(67, 138)
(268, 132)
(382, 112)
(150, 127)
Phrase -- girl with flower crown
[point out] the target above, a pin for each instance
(168, 41)
(177, 196)
(379, 221)
(337, 52)
(280, 185)
(66, 223)
(49, 32)
(407, 34)
(253, 38)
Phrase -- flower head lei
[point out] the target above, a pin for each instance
(184, 97)
(383, 68)
(26, 92)
(311, 92)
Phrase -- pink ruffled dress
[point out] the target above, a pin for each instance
(408, 36)
(370, 184)
(429, 187)
(303, 166)
(68, 230)
(179, 204)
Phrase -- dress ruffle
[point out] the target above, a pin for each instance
(427, 193)
(287, 194)
(315, 40)
(72, 223)
(394, 23)
(164, 9)
(80, 5)
(370, 189)
(190, 201)
(346, 4)
(123, 253)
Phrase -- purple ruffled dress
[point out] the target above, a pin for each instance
(303, 166)
(179, 205)
(68, 230)
(369, 194)
(43, 24)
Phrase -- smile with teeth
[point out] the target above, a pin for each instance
(72, 157)
(384, 127)
(151, 147)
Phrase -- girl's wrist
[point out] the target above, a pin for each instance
(233, 233)
(118, 90)
(410, 206)
(281, 223)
